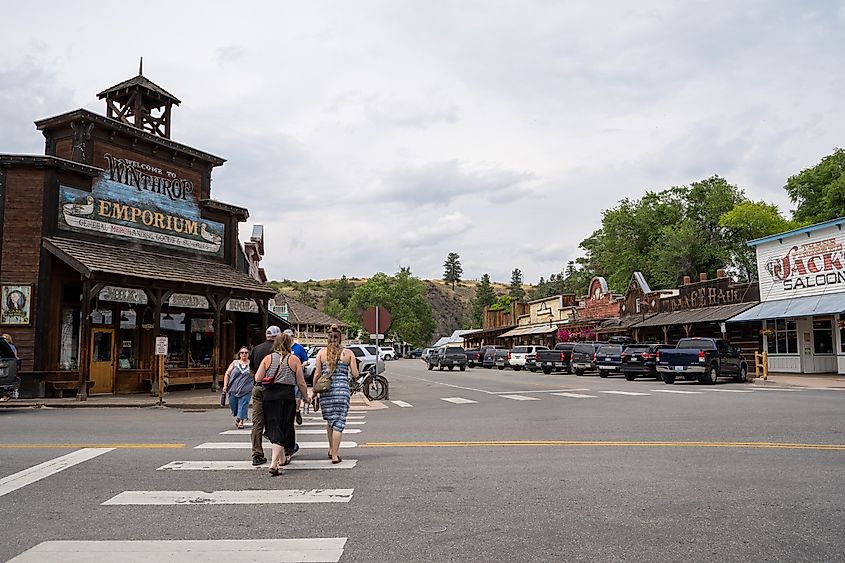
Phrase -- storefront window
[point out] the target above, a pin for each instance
(785, 338)
(202, 342)
(101, 317)
(128, 340)
(69, 355)
(172, 325)
(823, 336)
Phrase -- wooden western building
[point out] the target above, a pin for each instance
(111, 239)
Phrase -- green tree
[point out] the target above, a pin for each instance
(334, 308)
(453, 269)
(502, 302)
(819, 192)
(404, 296)
(340, 290)
(515, 291)
(751, 220)
(304, 295)
(484, 297)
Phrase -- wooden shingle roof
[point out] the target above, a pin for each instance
(300, 313)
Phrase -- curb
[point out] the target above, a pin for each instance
(87, 405)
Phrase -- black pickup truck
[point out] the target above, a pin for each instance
(707, 358)
(557, 359)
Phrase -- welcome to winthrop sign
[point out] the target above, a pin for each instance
(130, 201)
(798, 265)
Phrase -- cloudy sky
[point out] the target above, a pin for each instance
(369, 135)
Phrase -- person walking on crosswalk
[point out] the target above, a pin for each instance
(256, 355)
(284, 370)
(238, 384)
(338, 363)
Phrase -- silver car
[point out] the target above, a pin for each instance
(367, 357)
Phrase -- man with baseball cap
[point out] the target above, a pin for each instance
(255, 356)
(298, 350)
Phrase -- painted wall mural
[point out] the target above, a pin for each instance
(131, 201)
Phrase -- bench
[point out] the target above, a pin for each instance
(62, 386)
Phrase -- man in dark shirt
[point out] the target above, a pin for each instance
(298, 350)
(256, 355)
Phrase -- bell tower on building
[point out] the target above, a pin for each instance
(140, 103)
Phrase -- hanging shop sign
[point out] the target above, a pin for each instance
(242, 306)
(188, 301)
(801, 265)
(136, 201)
(123, 295)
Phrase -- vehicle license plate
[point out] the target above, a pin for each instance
(679, 368)
(547, 363)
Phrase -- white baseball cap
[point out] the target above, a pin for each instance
(273, 331)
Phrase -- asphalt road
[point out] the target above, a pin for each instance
(505, 471)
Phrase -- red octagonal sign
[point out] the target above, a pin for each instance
(369, 320)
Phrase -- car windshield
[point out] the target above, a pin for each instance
(520, 350)
(696, 344)
(588, 348)
(610, 349)
(358, 352)
(636, 349)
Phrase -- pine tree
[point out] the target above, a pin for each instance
(484, 297)
(453, 270)
(515, 291)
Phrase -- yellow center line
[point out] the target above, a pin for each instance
(30, 446)
(605, 443)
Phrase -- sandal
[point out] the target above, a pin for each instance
(287, 460)
(240, 425)
(237, 422)
(338, 460)
(274, 471)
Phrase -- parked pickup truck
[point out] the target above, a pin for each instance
(558, 359)
(448, 357)
(707, 358)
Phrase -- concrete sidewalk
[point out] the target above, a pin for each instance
(190, 399)
(814, 381)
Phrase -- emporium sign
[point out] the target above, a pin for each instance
(800, 266)
(130, 202)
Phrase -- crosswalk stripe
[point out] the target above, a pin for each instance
(298, 431)
(458, 400)
(676, 391)
(630, 393)
(575, 395)
(247, 465)
(37, 472)
(731, 390)
(320, 418)
(248, 445)
(252, 496)
(778, 389)
(328, 550)
(323, 423)
(402, 404)
(519, 397)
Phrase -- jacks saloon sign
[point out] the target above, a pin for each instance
(801, 265)
(137, 201)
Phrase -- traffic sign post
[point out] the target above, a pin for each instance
(161, 353)
(376, 320)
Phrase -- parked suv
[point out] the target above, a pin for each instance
(609, 359)
(520, 354)
(426, 353)
(366, 355)
(488, 356)
(501, 357)
(449, 357)
(640, 360)
(584, 357)
(9, 381)
(387, 353)
(474, 357)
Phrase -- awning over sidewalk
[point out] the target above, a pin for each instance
(528, 330)
(715, 314)
(89, 258)
(797, 307)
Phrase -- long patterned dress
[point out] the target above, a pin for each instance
(334, 403)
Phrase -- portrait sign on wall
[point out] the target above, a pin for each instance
(143, 203)
(16, 307)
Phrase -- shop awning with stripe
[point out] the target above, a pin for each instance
(797, 307)
(715, 314)
(528, 331)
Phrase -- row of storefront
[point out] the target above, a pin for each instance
(795, 312)
(112, 240)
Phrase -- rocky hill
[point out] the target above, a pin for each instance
(448, 306)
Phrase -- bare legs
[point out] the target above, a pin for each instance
(277, 457)
(334, 443)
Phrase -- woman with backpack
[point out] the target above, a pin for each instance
(237, 384)
(280, 373)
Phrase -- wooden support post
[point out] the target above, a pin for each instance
(85, 343)
(665, 334)
(160, 369)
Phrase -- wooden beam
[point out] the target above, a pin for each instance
(85, 343)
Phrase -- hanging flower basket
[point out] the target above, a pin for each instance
(767, 332)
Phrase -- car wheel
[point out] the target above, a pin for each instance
(602, 373)
(451, 368)
(713, 374)
(547, 371)
(630, 376)
(668, 378)
(579, 372)
(516, 368)
(743, 374)
(532, 370)
(430, 367)
(463, 368)
(501, 367)
(440, 368)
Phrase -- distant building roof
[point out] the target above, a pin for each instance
(300, 313)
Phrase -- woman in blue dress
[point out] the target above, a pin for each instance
(339, 364)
